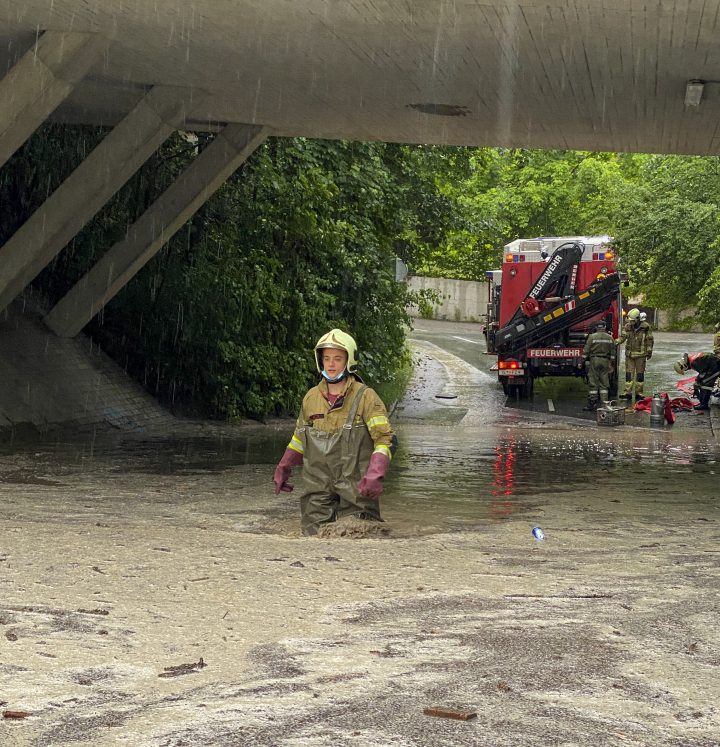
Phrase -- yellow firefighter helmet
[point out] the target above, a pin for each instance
(339, 340)
(681, 366)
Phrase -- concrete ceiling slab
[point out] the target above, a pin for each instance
(587, 74)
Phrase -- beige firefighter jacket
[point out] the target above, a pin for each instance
(639, 340)
(317, 413)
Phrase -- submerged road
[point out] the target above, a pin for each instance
(154, 592)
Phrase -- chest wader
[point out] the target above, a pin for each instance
(333, 464)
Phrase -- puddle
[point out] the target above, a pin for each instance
(468, 479)
(162, 455)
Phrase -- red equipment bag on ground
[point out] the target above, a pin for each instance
(670, 406)
(667, 410)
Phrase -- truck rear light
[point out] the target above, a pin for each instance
(509, 364)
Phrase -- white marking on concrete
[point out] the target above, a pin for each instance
(551, 406)
(465, 339)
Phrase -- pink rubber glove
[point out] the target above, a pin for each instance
(289, 460)
(371, 485)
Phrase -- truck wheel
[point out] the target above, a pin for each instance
(520, 391)
(505, 386)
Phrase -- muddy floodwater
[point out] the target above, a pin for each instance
(155, 592)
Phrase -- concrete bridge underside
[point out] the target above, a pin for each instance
(587, 74)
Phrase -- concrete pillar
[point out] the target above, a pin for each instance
(40, 81)
(202, 178)
(121, 153)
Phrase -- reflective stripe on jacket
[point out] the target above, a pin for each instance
(317, 413)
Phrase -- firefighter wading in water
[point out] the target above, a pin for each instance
(599, 350)
(638, 350)
(342, 439)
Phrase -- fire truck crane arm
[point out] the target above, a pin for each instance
(523, 332)
(558, 277)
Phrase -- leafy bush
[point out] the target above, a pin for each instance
(223, 320)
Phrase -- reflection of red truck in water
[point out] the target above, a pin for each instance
(542, 304)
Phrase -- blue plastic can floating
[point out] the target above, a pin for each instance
(538, 533)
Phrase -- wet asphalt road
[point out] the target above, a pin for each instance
(562, 396)
(483, 456)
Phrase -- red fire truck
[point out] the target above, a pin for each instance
(542, 304)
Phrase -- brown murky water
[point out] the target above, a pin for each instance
(155, 592)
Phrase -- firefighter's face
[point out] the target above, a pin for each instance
(334, 361)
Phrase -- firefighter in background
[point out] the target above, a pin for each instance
(707, 366)
(342, 439)
(716, 351)
(599, 350)
(638, 350)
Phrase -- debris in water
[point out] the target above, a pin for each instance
(450, 713)
(16, 714)
(352, 526)
(181, 669)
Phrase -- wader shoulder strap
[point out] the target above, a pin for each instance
(355, 406)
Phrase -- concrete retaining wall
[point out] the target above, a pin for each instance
(466, 301)
(683, 319)
(51, 381)
(460, 300)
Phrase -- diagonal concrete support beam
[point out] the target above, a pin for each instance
(89, 187)
(40, 81)
(202, 178)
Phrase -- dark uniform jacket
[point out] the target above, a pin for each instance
(599, 344)
(706, 364)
